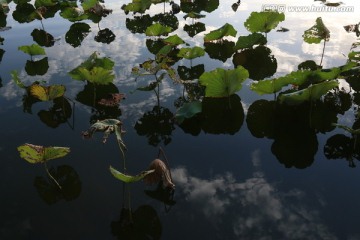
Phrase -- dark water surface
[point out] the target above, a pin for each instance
(259, 172)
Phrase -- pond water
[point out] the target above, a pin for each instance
(248, 166)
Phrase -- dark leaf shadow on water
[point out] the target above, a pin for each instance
(195, 28)
(258, 61)
(67, 178)
(43, 38)
(157, 125)
(77, 33)
(143, 223)
(199, 5)
(221, 50)
(293, 128)
(39, 67)
(218, 116)
(105, 36)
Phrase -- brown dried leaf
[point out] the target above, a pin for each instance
(161, 174)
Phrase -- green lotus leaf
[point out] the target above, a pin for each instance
(354, 56)
(127, 178)
(25, 13)
(191, 53)
(95, 70)
(226, 30)
(297, 78)
(263, 21)
(139, 6)
(47, 93)
(45, 3)
(73, 14)
(312, 93)
(173, 40)
(157, 29)
(317, 32)
(39, 154)
(88, 4)
(32, 50)
(223, 83)
(188, 110)
(194, 15)
(250, 40)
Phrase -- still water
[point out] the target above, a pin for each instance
(251, 173)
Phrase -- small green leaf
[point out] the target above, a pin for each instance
(250, 40)
(354, 56)
(317, 32)
(127, 178)
(188, 110)
(263, 21)
(39, 154)
(32, 50)
(157, 30)
(191, 53)
(226, 30)
(223, 83)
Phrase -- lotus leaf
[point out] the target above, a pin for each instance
(174, 40)
(77, 33)
(194, 29)
(39, 154)
(223, 83)
(139, 6)
(95, 70)
(32, 50)
(226, 30)
(194, 15)
(317, 32)
(354, 56)
(263, 21)
(311, 93)
(73, 14)
(88, 4)
(250, 40)
(127, 178)
(157, 29)
(191, 53)
(188, 110)
(46, 93)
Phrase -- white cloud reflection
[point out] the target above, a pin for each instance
(258, 208)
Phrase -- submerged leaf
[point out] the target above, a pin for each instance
(39, 154)
(188, 110)
(317, 32)
(127, 178)
(223, 83)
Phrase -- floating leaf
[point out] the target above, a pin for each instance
(263, 21)
(226, 30)
(317, 32)
(311, 93)
(95, 70)
(157, 29)
(127, 178)
(174, 40)
(223, 83)
(32, 50)
(39, 154)
(188, 110)
(250, 40)
(47, 93)
(139, 6)
(191, 53)
(73, 14)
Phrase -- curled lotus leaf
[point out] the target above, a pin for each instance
(317, 32)
(226, 30)
(128, 178)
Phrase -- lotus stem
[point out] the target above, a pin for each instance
(322, 55)
(51, 176)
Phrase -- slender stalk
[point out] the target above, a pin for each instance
(322, 55)
(51, 176)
